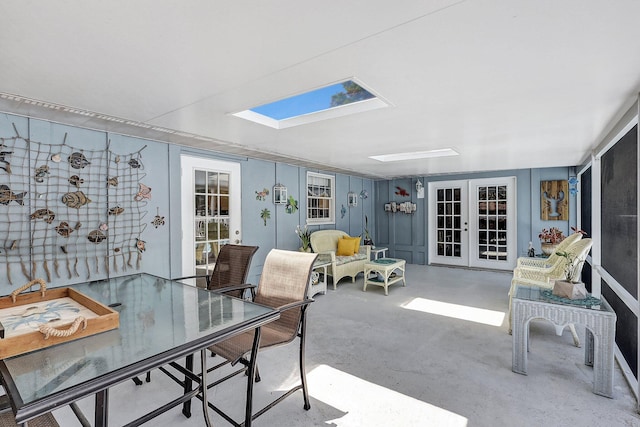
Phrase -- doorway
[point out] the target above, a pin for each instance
(211, 212)
(473, 223)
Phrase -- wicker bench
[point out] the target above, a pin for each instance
(326, 242)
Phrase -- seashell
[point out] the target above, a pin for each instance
(56, 158)
(115, 211)
(76, 180)
(143, 193)
(64, 249)
(104, 226)
(113, 181)
(96, 236)
(116, 250)
(77, 160)
(141, 245)
(117, 159)
(6, 196)
(76, 200)
(64, 229)
(135, 164)
(47, 214)
(41, 173)
(78, 225)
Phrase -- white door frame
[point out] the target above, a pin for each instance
(188, 166)
(469, 223)
(512, 226)
(434, 258)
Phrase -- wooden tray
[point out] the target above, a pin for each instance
(58, 310)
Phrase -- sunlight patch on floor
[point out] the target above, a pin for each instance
(463, 312)
(368, 404)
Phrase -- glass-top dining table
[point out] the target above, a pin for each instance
(161, 321)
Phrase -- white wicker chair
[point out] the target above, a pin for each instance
(546, 279)
(528, 262)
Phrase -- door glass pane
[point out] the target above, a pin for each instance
(213, 183)
(224, 183)
(200, 182)
(212, 200)
(448, 222)
(492, 202)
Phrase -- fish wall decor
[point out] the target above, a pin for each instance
(6, 196)
(7, 165)
(115, 211)
(77, 160)
(96, 236)
(76, 180)
(76, 199)
(64, 229)
(134, 164)
(41, 173)
(45, 214)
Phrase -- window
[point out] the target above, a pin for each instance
(320, 198)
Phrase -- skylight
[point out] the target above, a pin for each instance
(414, 155)
(336, 100)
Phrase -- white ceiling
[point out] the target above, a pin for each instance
(508, 84)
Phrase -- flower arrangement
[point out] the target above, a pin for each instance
(570, 265)
(305, 236)
(553, 235)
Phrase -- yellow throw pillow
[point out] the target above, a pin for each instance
(356, 243)
(345, 247)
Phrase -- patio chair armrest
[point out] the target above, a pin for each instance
(236, 288)
(295, 304)
(200, 276)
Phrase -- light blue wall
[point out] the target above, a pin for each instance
(38, 248)
(162, 173)
(407, 236)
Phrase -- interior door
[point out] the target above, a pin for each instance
(448, 237)
(493, 223)
(211, 212)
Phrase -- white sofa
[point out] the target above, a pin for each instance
(325, 242)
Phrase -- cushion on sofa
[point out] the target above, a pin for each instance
(347, 259)
(356, 243)
(345, 247)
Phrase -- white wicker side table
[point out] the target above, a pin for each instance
(320, 286)
(386, 268)
(600, 322)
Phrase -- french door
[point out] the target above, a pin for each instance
(211, 217)
(473, 223)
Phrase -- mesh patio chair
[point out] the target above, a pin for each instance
(231, 269)
(546, 280)
(553, 259)
(229, 276)
(283, 285)
(7, 419)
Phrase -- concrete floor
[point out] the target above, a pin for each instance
(376, 360)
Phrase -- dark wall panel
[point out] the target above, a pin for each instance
(626, 328)
(619, 211)
(585, 201)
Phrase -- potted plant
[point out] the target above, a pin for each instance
(570, 287)
(549, 239)
(305, 238)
